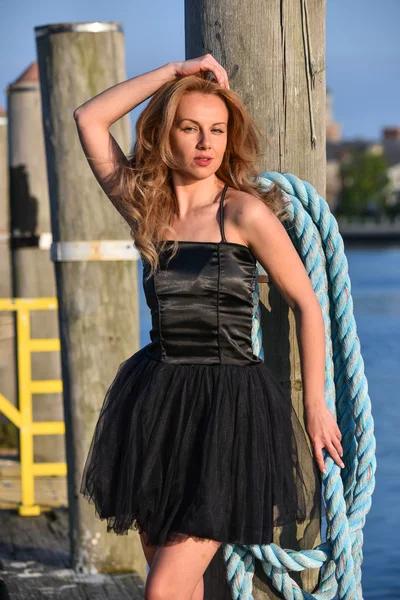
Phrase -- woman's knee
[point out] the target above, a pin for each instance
(178, 568)
(157, 590)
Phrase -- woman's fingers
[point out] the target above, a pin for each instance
(324, 432)
(203, 63)
(335, 453)
(319, 457)
(220, 74)
(338, 445)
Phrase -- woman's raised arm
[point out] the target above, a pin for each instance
(94, 118)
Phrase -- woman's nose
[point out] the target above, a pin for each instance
(204, 142)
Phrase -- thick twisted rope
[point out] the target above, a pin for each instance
(347, 492)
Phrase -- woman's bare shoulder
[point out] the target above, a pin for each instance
(239, 209)
(240, 204)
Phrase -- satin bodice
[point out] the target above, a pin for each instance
(201, 303)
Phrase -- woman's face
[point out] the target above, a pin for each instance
(200, 130)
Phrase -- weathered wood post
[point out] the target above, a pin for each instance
(274, 54)
(7, 330)
(32, 269)
(97, 290)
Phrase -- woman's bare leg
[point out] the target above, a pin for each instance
(176, 569)
(150, 551)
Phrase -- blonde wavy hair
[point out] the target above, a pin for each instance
(143, 189)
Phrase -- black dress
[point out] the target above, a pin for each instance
(195, 436)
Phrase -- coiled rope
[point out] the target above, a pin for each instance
(347, 492)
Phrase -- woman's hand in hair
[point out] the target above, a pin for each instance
(203, 63)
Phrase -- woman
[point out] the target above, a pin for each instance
(195, 444)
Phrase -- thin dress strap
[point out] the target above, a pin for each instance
(221, 214)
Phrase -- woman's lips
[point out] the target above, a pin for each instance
(202, 161)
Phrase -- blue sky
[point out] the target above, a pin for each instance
(363, 48)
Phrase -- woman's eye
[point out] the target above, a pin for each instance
(194, 129)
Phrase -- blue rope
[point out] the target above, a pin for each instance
(347, 492)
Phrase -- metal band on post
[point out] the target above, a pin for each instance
(93, 250)
(93, 27)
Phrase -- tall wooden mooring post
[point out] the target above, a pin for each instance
(96, 270)
(32, 273)
(274, 54)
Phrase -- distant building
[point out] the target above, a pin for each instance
(333, 128)
(337, 150)
(391, 134)
(391, 150)
(333, 137)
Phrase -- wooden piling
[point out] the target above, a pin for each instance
(7, 330)
(274, 54)
(98, 300)
(32, 269)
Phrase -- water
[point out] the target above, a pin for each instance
(375, 287)
(375, 278)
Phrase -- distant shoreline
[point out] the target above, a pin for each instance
(370, 231)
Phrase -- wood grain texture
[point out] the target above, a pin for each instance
(32, 271)
(261, 46)
(98, 301)
(7, 327)
(274, 54)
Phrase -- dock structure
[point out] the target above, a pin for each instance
(32, 271)
(34, 563)
(35, 551)
(369, 231)
(8, 385)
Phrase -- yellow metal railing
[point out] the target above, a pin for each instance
(22, 417)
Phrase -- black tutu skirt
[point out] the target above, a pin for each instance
(209, 451)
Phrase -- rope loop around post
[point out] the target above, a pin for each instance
(347, 492)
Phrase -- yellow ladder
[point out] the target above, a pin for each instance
(22, 417)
